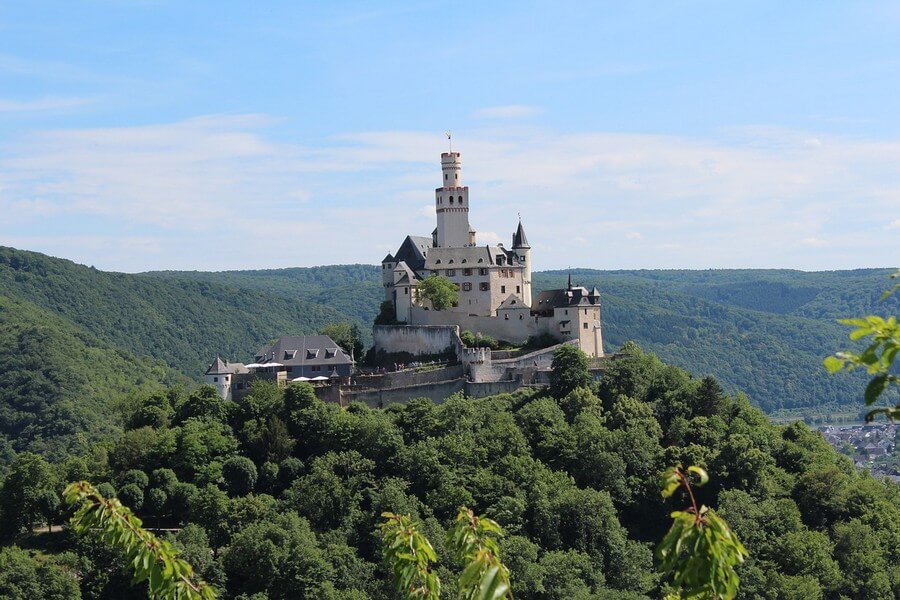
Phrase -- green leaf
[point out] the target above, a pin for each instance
(701, 473)
(833, 364)
(875, 388)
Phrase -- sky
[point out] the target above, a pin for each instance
(141, 135)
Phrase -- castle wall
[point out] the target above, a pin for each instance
(482, 390)
(514, 330)
(415, 339)
(436, 391)
(407, 378)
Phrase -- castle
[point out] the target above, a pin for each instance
(494, 283)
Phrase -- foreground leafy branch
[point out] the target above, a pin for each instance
(700, 550)
(877, 359)
(472, 541)
(410, 554)
(154, 560)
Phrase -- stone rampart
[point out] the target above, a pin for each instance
(513, 330)
(416, 339)
(407, 378)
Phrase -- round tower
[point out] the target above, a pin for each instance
(523, 250)
(451, 203)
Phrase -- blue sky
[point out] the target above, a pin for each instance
(142, 134)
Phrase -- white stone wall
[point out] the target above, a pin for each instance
(415, 340)
(222, 384)
(515, 331)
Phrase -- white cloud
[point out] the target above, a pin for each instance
(42, 104)
(895, 224)
(222, 193)
(510, 111)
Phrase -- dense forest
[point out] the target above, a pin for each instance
(75, 340)
(279, 496)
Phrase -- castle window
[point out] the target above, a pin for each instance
(405, 291)
(216, 379)
(465, 260)
(467, 287)
(437, 262)
(481, 260)
(502, 289)
(456, 175)
(484, 286)
(467, 272)
(330, 352)
(451, 199)
(312, 353)
(518, 290)
(521, 317)
(506, 317)
(451, 272)
(445, 177)
(452, 261)
(585, 325)
(483, 271)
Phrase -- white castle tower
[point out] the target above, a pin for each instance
(451, 201)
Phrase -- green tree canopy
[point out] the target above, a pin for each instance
(440, 291)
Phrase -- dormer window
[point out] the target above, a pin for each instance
(437, 262)
(465, 260)
(330, 352)
(289, 354)
(481, 260)
(451, 261)
(312, 353)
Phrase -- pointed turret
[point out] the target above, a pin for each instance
(519, 239)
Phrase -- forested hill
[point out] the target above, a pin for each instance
(761, 331)
(75, 340)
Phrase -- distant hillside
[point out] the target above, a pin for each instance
(74, 340)
(761, 331)
(60, 384)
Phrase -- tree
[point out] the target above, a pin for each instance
(154, 560)
(569, 371)
(442, 292)
(131, 495)
(280, 558)
(24, 498)
(24, 578)
(347, 335)
(240, 475)
(387, 314)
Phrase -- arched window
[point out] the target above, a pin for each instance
(451, 199)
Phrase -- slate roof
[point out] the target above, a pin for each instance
(575, 296)
(512, 302)
(302, 350)
(221, 367)
(466, 258)
(413, 251)
(519, 239)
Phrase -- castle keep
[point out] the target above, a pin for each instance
(494, 283)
